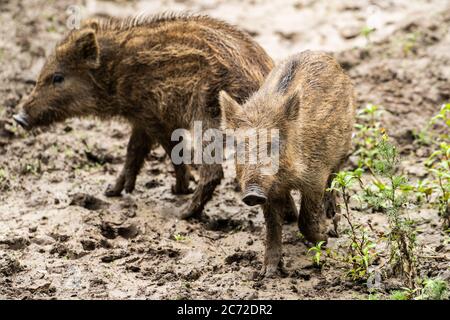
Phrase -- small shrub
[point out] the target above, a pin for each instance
(405, 294)
(401, 236)
(438, 163)
(360, 253)
(434, 289)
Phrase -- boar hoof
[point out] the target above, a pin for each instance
(269, 271)
(332, 233)
(181, 190)
(314, 237)
(187, 212)
(112, 192)
(332, 229)
(314, 232)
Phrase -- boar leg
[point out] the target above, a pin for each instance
(138, 148)
(290, 212)
(311, 221)
(273, 215)
(183, 176)
(210, 177)
(330, 204)
(331, 208)
(329, 200)
(182, 172)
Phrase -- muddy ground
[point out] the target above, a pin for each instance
(61, 238)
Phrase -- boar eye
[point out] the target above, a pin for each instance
(57, 78)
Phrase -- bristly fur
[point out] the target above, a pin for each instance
(288, 76)
(310, 100)
(160, 73)
(148, 20)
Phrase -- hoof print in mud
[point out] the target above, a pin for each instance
(228, 225)
(111, 257)
(243, 258)
(88, 202)
(111, 231)
(15, 243)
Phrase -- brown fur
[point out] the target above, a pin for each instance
(311, 101)
(159, 73)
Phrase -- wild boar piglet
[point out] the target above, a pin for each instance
(310, 101)
(159, 73)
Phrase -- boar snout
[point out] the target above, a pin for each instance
(22, 119)
(254, 195)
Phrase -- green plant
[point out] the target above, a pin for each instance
(423, 190)
(317, 250)
(422, 137)
(390, 193)
(434, 289)
(442, 174)
(366, 31)
(360, 246)
(368, 130)
(409, 43)
(443, 116)
(438, 163)
(430, 289)
(179, 237)
(373, 296)
(2, 174)
(300, 236)
(33, 167)
(402, 236)
(370, 194)
(405, 294)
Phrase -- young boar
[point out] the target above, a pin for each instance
(310, 100)
(159, 74)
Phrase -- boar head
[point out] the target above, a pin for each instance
(66, 86)
(256, 121)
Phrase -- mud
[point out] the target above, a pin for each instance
(61, 238)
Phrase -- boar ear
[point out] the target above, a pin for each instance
(91, 24)
(229, 110)
(82, 48)
(291, 107)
